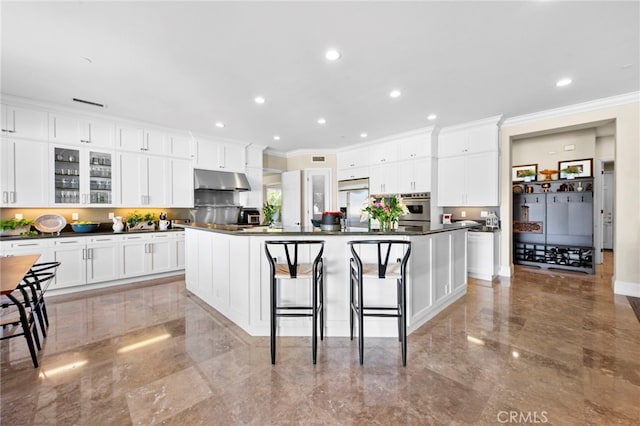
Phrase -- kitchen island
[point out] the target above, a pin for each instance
(227, 268)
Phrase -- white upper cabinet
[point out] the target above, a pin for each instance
(381, 153)
(24, 173)
(77, 130)
(353, 158)
(253, 156)
(182, 183)
(19, 122)
(469, 139)
(182, 145)
(137, 139)
(220, 156)
(144, 180)
(414, 175)
(468, 180)
(417, 146)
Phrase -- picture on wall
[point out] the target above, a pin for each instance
(524, 173)
(583, 167)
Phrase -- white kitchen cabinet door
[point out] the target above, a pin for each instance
(156, 142)
(253, 198)
(159, 250)
(103, 259)
(482, 139)
(353, 158)
(253, 156)
(483, 254)
(180, 255)
(416, 146)
(383, 179)
(442, 276)
(232, 157)
(159, 181)
(24, 178)
(19, 122)
(451, 181)
(482, 181)
(385, 152)
(192, 261)
(458, 259)
(220, 156)
(72, 254)
(27, 247)
(354, 173)
(133, 179)
(130, 138)
(182, 184)
(414, 175)
(135, 259)
(182, 146)
(78, 130)
(454, 143)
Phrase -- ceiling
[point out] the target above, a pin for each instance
(189, 65)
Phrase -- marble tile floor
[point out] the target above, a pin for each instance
(543, 347)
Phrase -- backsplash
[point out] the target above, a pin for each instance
(92, 214)
(472, 213)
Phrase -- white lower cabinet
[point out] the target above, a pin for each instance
(152, 253)
(85, 260)
(484, 255)
(26, 247)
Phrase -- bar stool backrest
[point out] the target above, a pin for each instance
(383, 256)
(292, 261)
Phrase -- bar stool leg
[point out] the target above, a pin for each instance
(403, 319)
(321, 301)
(314, 320)
(360, 321)
(351, 290)
(273, 320)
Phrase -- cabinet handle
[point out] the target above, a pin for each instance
(12, 196)
(84, 254)
(150, 247)
(26, 245)
(5, 197)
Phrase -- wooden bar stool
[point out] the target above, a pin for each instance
(380, 270)
(292, 269)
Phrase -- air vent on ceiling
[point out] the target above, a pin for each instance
(82, 101)
(318, 158)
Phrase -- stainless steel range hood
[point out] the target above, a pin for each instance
(221, 181)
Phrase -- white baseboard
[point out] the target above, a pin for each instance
(505, 271)
(626, 288)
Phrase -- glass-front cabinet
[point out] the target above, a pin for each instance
(82, 176)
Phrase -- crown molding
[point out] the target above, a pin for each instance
(612, 101)
(410, 133)
(275, 153)
(495, 120)
(301, 152)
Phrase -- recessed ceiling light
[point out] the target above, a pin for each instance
(395, 93)
(332, 55)
(564, 82)
(321, 121)
(431, 117)
(363, 135)
(220, 124)
(258, 100)
(276, 138)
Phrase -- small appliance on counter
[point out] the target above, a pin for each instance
(446, 218)
(331, 221)
(249, 216)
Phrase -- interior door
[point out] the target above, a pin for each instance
(291, 198)
(607, 226)
(317, 193)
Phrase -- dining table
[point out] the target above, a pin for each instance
(13, 269)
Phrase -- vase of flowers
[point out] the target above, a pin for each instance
(386, 211)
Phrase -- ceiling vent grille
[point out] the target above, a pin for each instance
(318, 159)
(82, 101)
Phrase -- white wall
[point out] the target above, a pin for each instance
(546, 151)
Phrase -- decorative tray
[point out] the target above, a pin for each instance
(50, 223)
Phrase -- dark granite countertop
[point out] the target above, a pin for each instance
(304, 230)
(68, 232)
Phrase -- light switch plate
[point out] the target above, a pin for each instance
(19, 216)
(483, 213)
(463, 213)
(110, 215)
(74, 216)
